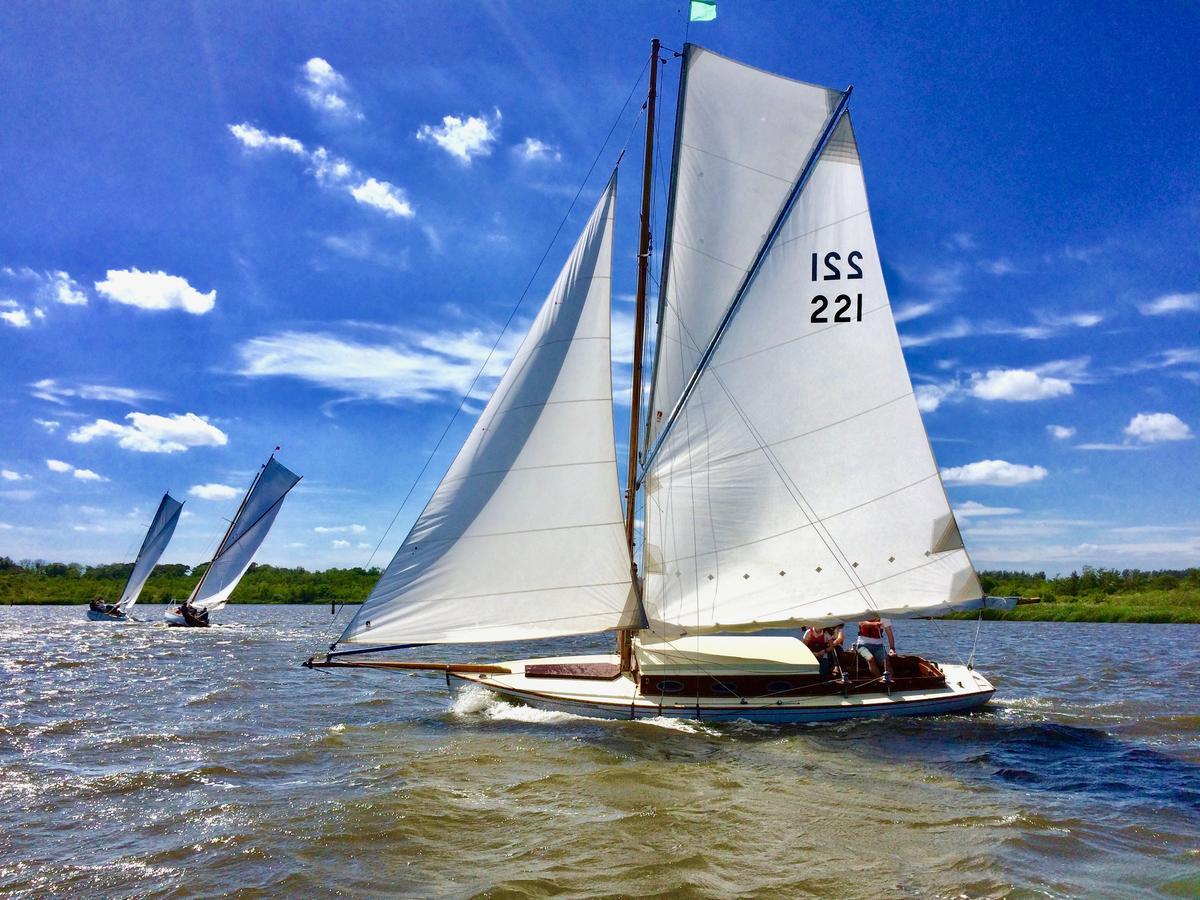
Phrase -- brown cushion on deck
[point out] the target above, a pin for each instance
(597, 671)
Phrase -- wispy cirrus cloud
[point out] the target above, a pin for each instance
(147, 433)
(341, 529)
(54, 391)
(973, 510)
(330, 171)
(464, 137)
(411, 367)
(1170, 304)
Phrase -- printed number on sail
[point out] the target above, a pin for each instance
(827, 268)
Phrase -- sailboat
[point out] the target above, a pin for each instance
(785, 475)
(158, 535)
(241, 541)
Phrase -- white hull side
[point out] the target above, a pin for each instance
(619, 699)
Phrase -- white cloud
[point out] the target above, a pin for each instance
(17, 318)
(931, 396)
(295, 545)
(19, 496)
(910, 311)
(960, 241)
(326, 90)
(417, 367)
(213, 491)
(464, 139)
(57, 465)
(1050, 326)
(339, 545)
(363, 545)
(1017, 385)
(1168, 304)
(332, 171)
(257, 139)
(10, 475)
(993, 472)
(50, 389)
(531, 150)
(340, 529)
(149, 433)
(88, 475)
(64, 289)
(155, 290)
(47, 287)
(971, 509)
(383, 196)
(1155, 428)
(1060, 432)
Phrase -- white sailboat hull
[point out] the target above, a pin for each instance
(619, 698)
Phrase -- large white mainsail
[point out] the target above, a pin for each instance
(796, 483)
(742, 136)
(523, 538)
(245, 535)
(162, 527)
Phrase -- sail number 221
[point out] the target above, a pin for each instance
(829, 268)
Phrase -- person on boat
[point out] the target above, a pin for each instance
(824, 644)
(870, 645)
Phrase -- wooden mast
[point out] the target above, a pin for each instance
(625, 635)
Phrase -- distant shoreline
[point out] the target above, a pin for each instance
(1093, 595)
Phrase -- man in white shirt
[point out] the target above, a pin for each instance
(870, 645)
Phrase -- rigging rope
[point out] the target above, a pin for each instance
(512, 315)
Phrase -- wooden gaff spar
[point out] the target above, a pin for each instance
(786, 477)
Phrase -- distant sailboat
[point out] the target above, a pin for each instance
(162, 527)
(787, 477)
(236, 551)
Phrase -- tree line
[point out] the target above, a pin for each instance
(37, 581)
(1093, 594)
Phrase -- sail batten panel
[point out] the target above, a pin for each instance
(798, 484)
(524, 536)
(162, 527)
(245, 536)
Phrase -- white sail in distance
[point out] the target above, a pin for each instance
(162, 527)
(797, 484)
(742, 136)
(524, 537)
(245, 535)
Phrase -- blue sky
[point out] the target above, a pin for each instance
(229, 227)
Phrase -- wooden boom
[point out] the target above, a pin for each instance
(313, 663)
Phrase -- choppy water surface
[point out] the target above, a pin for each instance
(146, 760)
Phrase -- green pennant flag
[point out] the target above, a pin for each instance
(704, 10)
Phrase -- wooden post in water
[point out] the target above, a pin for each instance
(625, 635)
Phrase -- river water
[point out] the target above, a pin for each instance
(137, 759)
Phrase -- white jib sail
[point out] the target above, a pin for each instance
(741, 139)
(162, 527)
(524, 536)
(798, 484)
(245, 536)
